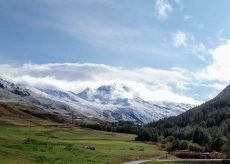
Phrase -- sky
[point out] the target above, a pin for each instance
(170, 50)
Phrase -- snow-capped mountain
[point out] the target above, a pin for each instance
(115, 102)
(8, 84)
(116, 94)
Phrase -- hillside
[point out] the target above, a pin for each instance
(210, 114)
(21, 113)
(208, 124)
(16, 110)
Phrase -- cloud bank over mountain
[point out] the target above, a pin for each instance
(148, 83)
(151, 84)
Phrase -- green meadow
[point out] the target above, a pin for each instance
(57, 145)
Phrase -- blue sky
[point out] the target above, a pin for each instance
(161, 35)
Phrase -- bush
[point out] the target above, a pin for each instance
(184, 145)
(170, 139)
(196, 147)
(226, 148)
(169, 147)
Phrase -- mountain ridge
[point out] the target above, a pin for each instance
(111, 103)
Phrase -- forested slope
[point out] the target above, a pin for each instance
(207, 125)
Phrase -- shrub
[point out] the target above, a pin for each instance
(196, 147)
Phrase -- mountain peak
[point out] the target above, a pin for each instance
(106, 93)
(116, 87)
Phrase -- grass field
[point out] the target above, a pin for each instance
(68, 145)
(27, 136)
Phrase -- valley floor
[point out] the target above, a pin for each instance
(49, 144)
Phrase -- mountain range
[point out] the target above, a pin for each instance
(112, 103)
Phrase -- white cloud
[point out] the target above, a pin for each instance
(179, 39)
(222, 36)
(163, 9)
(199, 50)
(182, 39)
(149, 83)
(219, 67)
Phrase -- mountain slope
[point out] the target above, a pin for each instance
(207, 124)
(217, 110)
(21, 113)
(11, 92)
(110, 103)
